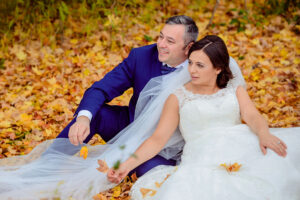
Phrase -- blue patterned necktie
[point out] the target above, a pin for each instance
(165, 69)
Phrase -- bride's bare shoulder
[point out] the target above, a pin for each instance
(172, 102)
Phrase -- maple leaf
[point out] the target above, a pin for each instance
(37, 71)
(84, 152)
(231, 168)
(102, 166)
(157, 184)
(21, 55)
(145, 191)
(48, 133)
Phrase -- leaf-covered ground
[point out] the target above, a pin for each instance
(44, 72)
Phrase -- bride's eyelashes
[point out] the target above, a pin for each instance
(198, 64)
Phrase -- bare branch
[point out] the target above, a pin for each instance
(213, 13)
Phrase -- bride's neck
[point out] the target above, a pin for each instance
(204, 89)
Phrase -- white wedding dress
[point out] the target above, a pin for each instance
(213, 132)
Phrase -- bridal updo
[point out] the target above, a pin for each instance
(215, 48)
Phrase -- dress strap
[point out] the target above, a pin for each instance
(180, 94)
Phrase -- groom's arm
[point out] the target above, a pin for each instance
(113, 84)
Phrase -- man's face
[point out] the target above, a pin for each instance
(170, 45)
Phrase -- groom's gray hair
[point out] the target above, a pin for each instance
(191, 29)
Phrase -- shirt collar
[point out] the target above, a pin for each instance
(184, 63)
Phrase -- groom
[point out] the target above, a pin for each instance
(142, 64)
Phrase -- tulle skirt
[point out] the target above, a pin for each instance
(205, 172)
(54, 169)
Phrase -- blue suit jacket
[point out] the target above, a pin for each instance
(135, 71)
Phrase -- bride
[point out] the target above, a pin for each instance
(222, 158)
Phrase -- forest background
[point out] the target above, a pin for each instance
(51, 51)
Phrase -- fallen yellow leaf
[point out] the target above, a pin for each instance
(157, 184)
(145, 191)
(231, 168)
(21, 55)
(84, 152)
(5, 124)
(25, 117)
(117, 191)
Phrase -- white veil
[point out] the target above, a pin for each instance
(54, 169)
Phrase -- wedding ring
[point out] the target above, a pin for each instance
(278, 142)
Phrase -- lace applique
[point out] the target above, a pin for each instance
(183, 95)
(180, 95)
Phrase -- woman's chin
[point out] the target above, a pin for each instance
(196, 82)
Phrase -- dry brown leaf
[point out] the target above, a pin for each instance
(145, 191)
(134, 177)
(102, 166)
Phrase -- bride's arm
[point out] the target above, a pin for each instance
(153, 145)
(258, 124)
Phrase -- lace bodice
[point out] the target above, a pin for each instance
(199, 112)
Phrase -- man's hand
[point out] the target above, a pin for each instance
(79, 131)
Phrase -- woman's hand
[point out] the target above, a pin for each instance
(116, 176)
(272, 142)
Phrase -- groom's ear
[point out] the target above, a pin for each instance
(187, 48)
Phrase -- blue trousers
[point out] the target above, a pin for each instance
(109, 121)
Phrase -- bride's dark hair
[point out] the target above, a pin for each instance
(215, 48)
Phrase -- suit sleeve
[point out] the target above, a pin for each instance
(113, 84)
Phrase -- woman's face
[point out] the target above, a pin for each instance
(201, 69)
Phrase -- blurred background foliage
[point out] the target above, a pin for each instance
(35, 13)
